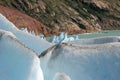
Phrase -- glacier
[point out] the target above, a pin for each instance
(82, 62)
(17, 62)
(66, 58)
(62, 38)
(93, 41)
(35, 43)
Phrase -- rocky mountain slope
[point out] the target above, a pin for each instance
(23, 21)
(72, 16)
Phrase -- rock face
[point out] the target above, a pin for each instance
(23, 21)
(72, 16)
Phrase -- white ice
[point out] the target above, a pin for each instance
(62, 38)
(60, 62)
(35, 43)
(85, 62)
(100, 40)
(24, 30)
(17, 62)
(61, 76)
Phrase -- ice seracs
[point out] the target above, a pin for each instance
(17, 62)
(90, 59)
(82, 62)
(62, 38)
(54, 40)
(76, 37)
(24, 30)
(35, 43)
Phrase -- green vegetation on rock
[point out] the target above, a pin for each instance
(72, 16)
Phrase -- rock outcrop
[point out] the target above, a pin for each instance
(72, 16)
(22, 20)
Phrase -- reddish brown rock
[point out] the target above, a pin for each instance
(22, 20)
(71, 16)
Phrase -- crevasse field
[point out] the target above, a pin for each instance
(90, 56)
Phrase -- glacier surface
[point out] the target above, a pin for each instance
(17, 62)
(35, 43)
(82, 62)
(93, 41)
(76, 59)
